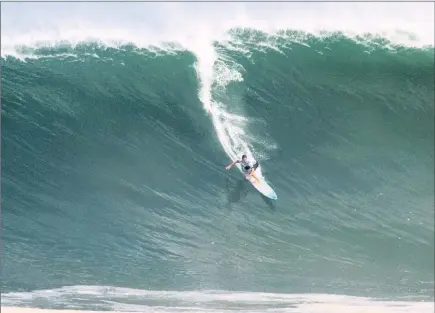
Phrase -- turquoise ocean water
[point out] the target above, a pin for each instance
(115, 197)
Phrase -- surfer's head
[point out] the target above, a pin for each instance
(244, 157)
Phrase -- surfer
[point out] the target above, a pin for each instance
(248, 166)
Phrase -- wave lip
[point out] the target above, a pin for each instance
(28, 24)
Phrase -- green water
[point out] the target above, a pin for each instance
(113, 172)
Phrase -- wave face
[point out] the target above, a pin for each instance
(113, 175)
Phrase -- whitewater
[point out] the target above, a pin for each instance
(89, 219)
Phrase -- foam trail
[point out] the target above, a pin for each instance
(212, 70)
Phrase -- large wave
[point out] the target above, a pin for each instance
(113, 155)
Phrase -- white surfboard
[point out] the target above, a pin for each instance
(261, 185)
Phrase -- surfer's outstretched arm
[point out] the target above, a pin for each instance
(231, 165)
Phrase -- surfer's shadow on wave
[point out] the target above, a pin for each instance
(270, 203)
(237, 190)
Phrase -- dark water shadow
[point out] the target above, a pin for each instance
(237, 190)
(269, 202)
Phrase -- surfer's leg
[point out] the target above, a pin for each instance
(252, 173)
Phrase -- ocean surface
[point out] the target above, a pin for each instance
(115, 197)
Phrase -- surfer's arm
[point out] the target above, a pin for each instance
(231, 165)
